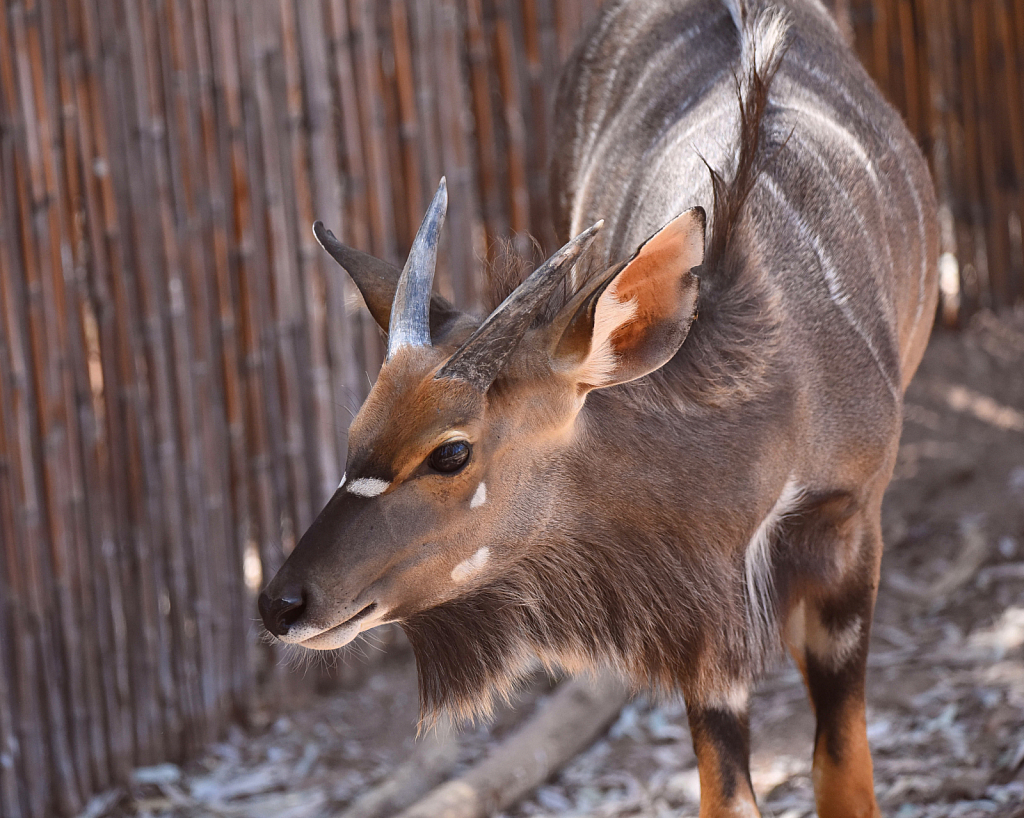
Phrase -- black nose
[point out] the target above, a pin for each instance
(281, 612)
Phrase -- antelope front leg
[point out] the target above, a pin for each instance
(721, 740)
(829, 641)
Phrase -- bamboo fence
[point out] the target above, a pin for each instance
(178, 359)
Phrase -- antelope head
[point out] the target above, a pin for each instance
(453, 469)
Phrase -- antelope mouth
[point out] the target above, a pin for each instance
(341, 634)
(365, 612)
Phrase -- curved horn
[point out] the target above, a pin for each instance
(410, 312)
(481, 358)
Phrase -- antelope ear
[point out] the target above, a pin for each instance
(377, 281)
(636, 318)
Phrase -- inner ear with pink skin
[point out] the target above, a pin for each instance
(630, 321)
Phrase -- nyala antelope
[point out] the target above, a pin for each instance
(664, 452)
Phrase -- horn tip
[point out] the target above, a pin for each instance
(319, 231)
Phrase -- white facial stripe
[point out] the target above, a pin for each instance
(479, 496)
(368, 486)
(467, 568)
(342, 483)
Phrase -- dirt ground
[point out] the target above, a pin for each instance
(945, 688)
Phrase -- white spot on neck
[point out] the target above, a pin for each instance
(479, 496)
(368, 486)
(342, 483)
(469, 567)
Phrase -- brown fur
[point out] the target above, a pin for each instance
(626, 525)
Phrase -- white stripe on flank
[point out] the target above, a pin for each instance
(368, 486)
(828, 268)
(479, 496)
(598, 146)
(697, 119)
(757, 562)
(897, 153)
(810, 148)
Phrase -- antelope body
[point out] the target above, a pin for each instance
(590, 477)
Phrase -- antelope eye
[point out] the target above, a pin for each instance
(449, 457)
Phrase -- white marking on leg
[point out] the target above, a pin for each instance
(833, 648)
(744, 809)
(758, 563)
(342, 483)
(734, 699)
(479, 496)
(368, 486)
(470, 567)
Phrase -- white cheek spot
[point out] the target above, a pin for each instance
(342, 483)
(368, 486)
(467, 568)
(479, 496)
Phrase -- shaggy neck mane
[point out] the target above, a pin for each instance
(577, 604)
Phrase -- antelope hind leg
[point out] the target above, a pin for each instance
(828, 637)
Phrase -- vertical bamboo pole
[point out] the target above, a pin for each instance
(28, 724)
(1014, 89)
(375, 137)
(495, 221)
(93, 723)
(509, 81)
(96, 305)
(127, 435)
(204, 206)
(426, 58)
(996, 217)
(181, 181)
(56, 420)
(157, 717)
(255, 306)
(285, 352)
(357, 228)
(466, 236)
(415, 191)
(47, 562)
(224, 136)
(12, 772)
(340, 319)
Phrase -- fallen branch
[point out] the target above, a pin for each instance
(428, 766)
(576, 714)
